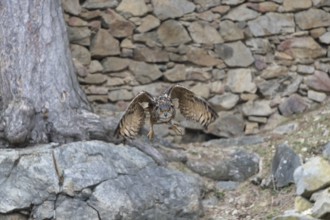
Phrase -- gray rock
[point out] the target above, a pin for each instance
(165, 9)
(232, 2)
(227, 125)
(230, 31)
(226, 185)
(148, 23)
(240, 80)
(319, 81)
(325, 38)
(166, 36)
(206, 4)
(79, 35)
(133, 7)
(44, 210)
(96, 79)
(312, 18)
(326, 151)
(176, 74)
(293, 216)
(100, 4)
(272, 23)
(241, 13)
(296, 5)
(235, 54)
(144, 73)
(117, 25)
(269, 88)
(284, 163)
(292, 105)
(274, 71)
(27, 177)
(257, 108)
(312, 176)
(259, 45)
(286, 129)
(115, 64)
(316, 96)
(225, 101)
(201, 57)
(293, 86)
(203, 33)
(103, 44)
(120, 94)
(150, 55)
(321, 207)
(71, 6)
(305, 69)
(81, 54)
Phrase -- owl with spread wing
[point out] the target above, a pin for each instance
(162, 110)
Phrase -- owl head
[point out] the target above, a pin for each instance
(164, 108)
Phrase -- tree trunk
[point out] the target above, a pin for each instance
(41, 97)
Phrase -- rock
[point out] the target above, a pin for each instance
(269, 88)
(284, 163)
(272, 23)
(224, 165)
(117, 25)
(229, 31)
(165, 9)
(312, 176)
(116, 81)
(312, 18)
(321, 207)
(44, 210)
(325, 38)
(241, 13)
(292, 105)
(133, 7)
(227, 125)
(206, 4)
(198, 74)
(80, 69)
(33, 165)
(240, 80)
(144, 73)
(226, 185)
(79, 35)
(236, 141)
(81, 54)
(286, 129)
(225, 101)
(100, 4)
(172, 33)
(264, 7)
(150, 55)
(235, 54)
(293, 216)
(203, 33)
(274, 71)
(148, 23)
(96, 79)
(259, 46)
(95, 66)
(122, 94)
(232, 2)
(103, 44)
(14, 216)
(176, 74)
(326, 151)
(305, 69)
(115, 64)
(302, 48)
(201, 57)
(320, 81)
(257, 108)
(296, 5)
(98, 90)
(301, 204)
(77, 22)
(71, 6)
(316, 96)
(201, 90)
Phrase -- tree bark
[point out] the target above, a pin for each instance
(41, 100)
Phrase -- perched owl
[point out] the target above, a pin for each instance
(162, 110)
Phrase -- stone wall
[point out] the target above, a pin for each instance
(255, 61)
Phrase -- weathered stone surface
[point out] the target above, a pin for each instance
(312, 18)
(117, 25)
(71, 6)
(301, 204)
(27, 177)
(240, 80)
(325, 38)
(114, 64)
(305, 69)
(100, 4)
(198, 74)
(274, 71)
(172, 33)
(312, 176)
(206, 4)
(150, 55)
(230, 31)
(321, 207)
(284, 163)
(326, 151)
(226, 101)
(302, 48)
(227, 125)
(264, 7)
(79, 35)
(80, 69)
(241, 13)
(235, 54)
(133, 7)
(316, 96)
(295, 5)
(268, 88)
(95, 67)
(176, 74)
(201, 90)
(103, 44)
(292, 105)
(144, 73)
(96, 78)
(201, 57)
(259, 46)
(272, 23)
(320, 81)
(232, 2)
(121, 94)
(81, 54)
(77, 22)
(165, 9)
(257, 108)
(203, 33)
(148, 23)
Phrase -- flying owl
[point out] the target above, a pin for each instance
(162, 110)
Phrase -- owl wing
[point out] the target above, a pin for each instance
(133, 118)
(191, 106)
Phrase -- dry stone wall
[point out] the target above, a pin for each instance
(255, 61)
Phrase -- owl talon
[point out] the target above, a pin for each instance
(177, 129)
(151, 135)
